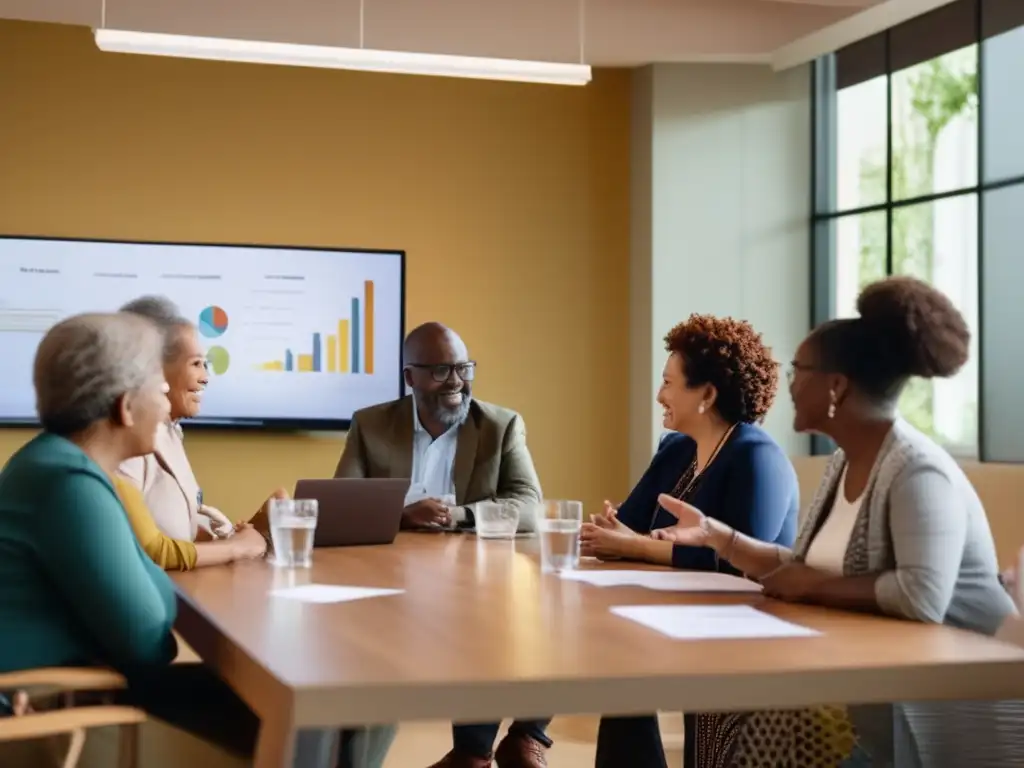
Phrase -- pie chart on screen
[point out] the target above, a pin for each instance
(218, 359)
(213, 321)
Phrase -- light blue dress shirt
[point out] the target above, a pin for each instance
(433, 467)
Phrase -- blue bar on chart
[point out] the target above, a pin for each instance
(355, 335)
(350, 349)
(316, 353)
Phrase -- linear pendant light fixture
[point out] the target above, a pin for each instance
(328, 57)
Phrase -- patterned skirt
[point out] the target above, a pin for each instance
(817, 737)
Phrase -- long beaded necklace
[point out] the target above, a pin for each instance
(687, 482)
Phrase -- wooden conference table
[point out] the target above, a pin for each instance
(480, 633)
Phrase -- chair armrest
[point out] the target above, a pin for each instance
(44, 724)
(63, 679)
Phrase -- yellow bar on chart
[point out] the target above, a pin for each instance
(332, 354)
(368, 326)
(306, 363)
(344, 357)
(273, 365)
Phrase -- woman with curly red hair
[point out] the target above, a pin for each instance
(718, 383)
(896, 528)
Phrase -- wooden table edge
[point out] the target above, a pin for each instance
(257, 686)
(373, 704)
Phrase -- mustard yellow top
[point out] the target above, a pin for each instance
(170, 554)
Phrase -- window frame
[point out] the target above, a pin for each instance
(824, 205)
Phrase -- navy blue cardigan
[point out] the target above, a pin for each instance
(751, 486)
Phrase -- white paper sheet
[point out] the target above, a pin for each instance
(711, 622)
(331, 593)
(665, 581)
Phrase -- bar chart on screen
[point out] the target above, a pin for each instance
(294, 337)
(345, 348)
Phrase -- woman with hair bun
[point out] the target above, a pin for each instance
(895, 528)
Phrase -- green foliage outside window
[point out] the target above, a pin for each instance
(925, 100)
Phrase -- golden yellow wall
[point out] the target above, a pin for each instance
(511, 200)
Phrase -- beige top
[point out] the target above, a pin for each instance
(168, 484)
(828, 548)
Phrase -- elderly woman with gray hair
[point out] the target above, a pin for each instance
(77, 587)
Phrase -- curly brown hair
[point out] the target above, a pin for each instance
(730, 355)
(906, 328)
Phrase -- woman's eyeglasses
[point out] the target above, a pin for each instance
(795, 368)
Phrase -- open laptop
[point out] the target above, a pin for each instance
(355, 511)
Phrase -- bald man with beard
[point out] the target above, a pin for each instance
(457, 451)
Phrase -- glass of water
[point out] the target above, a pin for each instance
(558, 523)
(292, 526)
(496, 519)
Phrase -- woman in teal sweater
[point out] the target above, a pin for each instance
(76, 588)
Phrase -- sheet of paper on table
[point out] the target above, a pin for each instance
(711, 622)
(331, 593)
(665, 581)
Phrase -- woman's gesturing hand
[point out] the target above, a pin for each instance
(609, 520)
(689, 527)
(220, 525)
(606, 543)
(605, 536)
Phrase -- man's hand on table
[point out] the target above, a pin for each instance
(427, 514)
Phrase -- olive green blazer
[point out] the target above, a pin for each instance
(491, 457)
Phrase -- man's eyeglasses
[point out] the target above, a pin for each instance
(441, 372)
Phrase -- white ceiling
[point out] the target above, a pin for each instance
(617, 32)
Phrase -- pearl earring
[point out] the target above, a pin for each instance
(700, 408)
(832, 405)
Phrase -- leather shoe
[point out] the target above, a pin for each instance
(520, 751)
(456, 759)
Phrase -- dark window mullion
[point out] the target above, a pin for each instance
(980, 27)
(888, 152)
(823, 160)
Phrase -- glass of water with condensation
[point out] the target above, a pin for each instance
(292, 526)
(558, 524)
(496, 520)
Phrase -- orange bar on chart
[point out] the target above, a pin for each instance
(306, 363)
(332, 354)
(273, 365)
(344, 339)
(368, 326)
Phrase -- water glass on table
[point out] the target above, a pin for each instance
(292, 528)
(558, 523)
(496, 520)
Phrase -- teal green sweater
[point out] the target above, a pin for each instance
(75, 586)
